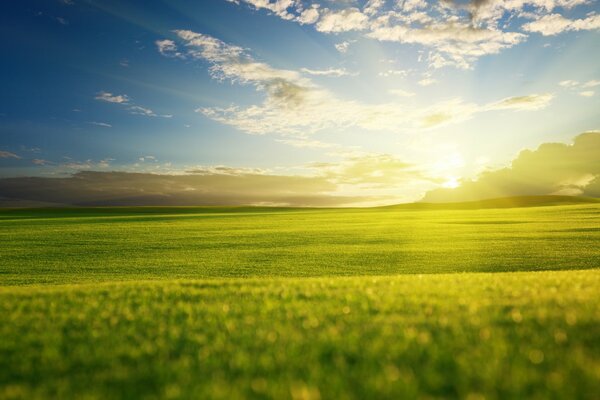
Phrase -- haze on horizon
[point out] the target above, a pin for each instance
(295, 102)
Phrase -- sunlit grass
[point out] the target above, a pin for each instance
(212, 303)
(65, 246)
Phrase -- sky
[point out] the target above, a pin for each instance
(298, 102)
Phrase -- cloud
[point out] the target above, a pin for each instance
(529, 102)
(455, 32)
(427, 81)
(553, 24)
(354, 179)
(138, 110)
(348, 19)
(112, 98)
(309, 15)
(553, 168)
(167, 48)
(454, 43)
(125, 100)
(343, 47)
(592, 83)
(581, 87)
(296, 106)
(394, 72)
(334, 72)
(370, 170)
(569, 83)
(205, 187)
(103, 124)
(281, 8)
(8, 154)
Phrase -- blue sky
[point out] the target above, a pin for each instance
(384, 99)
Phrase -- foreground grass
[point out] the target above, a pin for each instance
(306, 304)
(83, 245)
(506, 335)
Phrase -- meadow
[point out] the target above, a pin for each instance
(418, 301)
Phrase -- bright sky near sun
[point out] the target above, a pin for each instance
(384, 100)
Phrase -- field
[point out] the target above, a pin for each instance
(394, 302)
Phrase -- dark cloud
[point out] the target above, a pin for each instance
(123, 188)
(554, 168)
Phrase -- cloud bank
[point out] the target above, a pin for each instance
(554, 168)
(201, 188)
(359, 179)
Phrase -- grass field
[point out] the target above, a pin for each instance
(394, 302)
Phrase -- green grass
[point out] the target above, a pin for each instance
(287, 303)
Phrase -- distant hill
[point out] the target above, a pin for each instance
(503, 202)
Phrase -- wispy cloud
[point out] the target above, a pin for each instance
(529, 102)
(427, 81)
(125, 100)
(295, 105)
(112, 98)
(343, 47)
(333, 72)
(8, 154)
(395, 72)
(167, 48)
(582, 88)
(103, 124)
(553, 24)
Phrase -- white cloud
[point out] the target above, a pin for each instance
(427, 81)
(126, 101)
(343, 47)
(521, 103)
(394, 72)
(309, 15)
(569, 83)
(111, 98)
(103, 124)
(455, 43)
(281, 8)
(138, 110)
(334, 72)
(554, 24)
(592, 83)
(294, 105)
(348, 19)
(167, 48)
(581, 87)
(456, 33)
